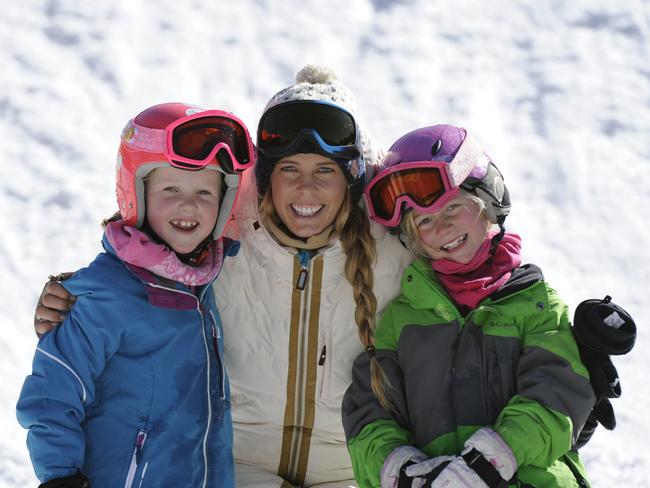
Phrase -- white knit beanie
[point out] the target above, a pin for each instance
(320, 83)
(316, 82)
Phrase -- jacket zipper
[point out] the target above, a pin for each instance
(209, 367)
(140, 440)
(216, 336)
(305, 257)
(323, 353)
(302, 284)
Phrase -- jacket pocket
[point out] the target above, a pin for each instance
(335, 358)
(323, 367)
(137, 469)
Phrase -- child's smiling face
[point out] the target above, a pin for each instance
(454, 232)
(182, 206)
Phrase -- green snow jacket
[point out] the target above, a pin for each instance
(511, 363)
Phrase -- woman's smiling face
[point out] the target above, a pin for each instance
(307, 192)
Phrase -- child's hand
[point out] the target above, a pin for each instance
(53, 304)
(486, 462)
(392, 473)
(430, 468)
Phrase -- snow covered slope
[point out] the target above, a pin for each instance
(558, 91)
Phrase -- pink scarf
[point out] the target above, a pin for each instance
(135, 247)
(470, 283)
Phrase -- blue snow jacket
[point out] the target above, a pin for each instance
(131, 389)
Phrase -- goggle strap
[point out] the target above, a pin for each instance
(225, 160)
(469, 155)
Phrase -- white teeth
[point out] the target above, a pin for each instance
(184, 224)
(306, 210)
(454, 244)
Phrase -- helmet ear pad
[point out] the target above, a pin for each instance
(492, 191)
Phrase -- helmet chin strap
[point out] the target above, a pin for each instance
(193, 258)
(497, 238)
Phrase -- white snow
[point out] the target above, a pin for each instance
(558, 91)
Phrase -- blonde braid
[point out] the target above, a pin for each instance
(361, 253)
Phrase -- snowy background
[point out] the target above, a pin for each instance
(558, 91)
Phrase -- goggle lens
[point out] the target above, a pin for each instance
(282, 124)
(422, 185)
(195, 140)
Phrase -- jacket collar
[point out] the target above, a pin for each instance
(165, 293)
(423, 290)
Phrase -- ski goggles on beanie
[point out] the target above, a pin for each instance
(423, 185)
(195, 141)
(292, 127)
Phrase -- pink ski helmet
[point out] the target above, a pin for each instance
(186, 137)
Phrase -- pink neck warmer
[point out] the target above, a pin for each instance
(470, 283)
(136, 248)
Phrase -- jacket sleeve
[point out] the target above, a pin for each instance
(55, 397)
(372, 432)
(554, 396)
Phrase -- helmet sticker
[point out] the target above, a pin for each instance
(194, 110)
(129, 132)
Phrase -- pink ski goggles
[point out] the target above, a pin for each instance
(426, 186)
(197, 140)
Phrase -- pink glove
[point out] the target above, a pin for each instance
(486, 462)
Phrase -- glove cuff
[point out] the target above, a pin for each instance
(392, 470)
(494, 450)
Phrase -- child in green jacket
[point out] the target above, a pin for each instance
(476, 379)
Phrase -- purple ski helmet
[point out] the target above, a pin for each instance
(441, 159)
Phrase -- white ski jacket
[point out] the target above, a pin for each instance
(289, 351)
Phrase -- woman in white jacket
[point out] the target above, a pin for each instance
(299, 301)
(314, 272)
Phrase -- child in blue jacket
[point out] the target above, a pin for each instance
(131, 390)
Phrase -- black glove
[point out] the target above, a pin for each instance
(602, 373)
(75, 481)
(602, 413)
(605, 327)
(602, 328)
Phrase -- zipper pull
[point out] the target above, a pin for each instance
(302, 278)
(214, 340)
(139, 445)
(304, 256)
(323, 353)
